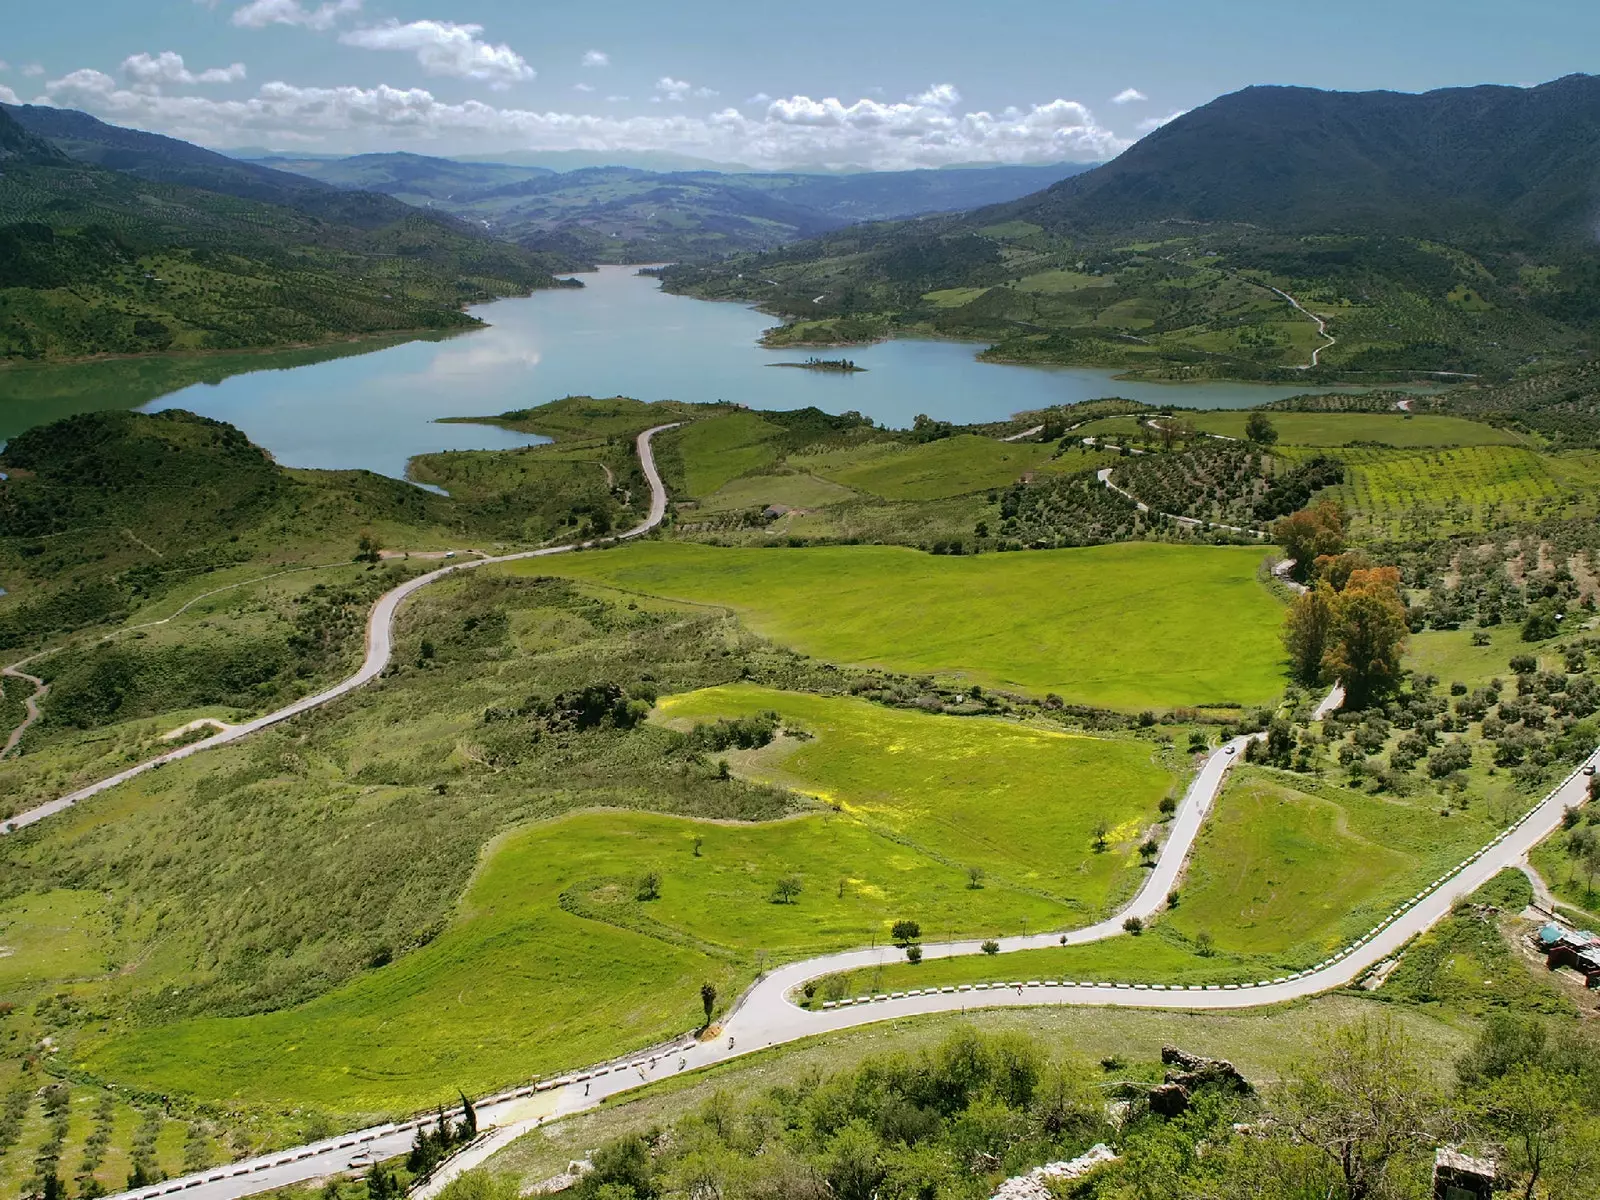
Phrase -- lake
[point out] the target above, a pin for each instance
(375, 406)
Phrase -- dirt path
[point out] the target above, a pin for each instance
(41, 689)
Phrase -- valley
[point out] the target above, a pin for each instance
(472, 731)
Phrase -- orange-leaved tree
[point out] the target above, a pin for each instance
(1310, 534)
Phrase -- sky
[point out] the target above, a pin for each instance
(869, 84)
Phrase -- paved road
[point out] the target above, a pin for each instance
(380, 629)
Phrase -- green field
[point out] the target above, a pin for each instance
(715, 452)
(793, 489)
(1339, 429)
(1018, 801)
(551, 961)
(952, 466)
(1125, 626)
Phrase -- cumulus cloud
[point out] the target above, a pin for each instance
(927, 130)
(596, 58)
(33, 70)
(758, 98)
(167, 68)
(445, 48)
(7, 96)
(258, 14)
(1128, 96)
(1153, 123)
(673, 89)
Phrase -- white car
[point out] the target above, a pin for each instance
(1231, 749)
(1589, 770)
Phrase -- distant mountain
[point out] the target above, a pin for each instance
(1452, 231)
(1492, 162)
(625, 214)
(167, 160)
(96, 260)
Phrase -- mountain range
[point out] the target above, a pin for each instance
(626, 214)
(1451, 231)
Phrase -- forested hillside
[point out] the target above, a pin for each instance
(97, 261)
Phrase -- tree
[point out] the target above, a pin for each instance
(1260, 430)
(1363, 1101)
(903, 933)
(1310, 534)
(1101, 832)
(468, 1128)
(1531, 1109)
(990, 946)
(368, 549)
(913, 953)
(786, 889)
(1133, 925)
(1204, 944)
(974, 878)
(708, 999)
(1368, 636)
(649, 886)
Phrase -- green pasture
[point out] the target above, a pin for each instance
(954, 466)
(791, 488)
(1063, 280)
(717, 451)
(1122, 626)
(1019, 802)
(55, 935)
(1401, 430)
(578, 417)
(1450, 656)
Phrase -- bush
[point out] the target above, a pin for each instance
(913, 953)
(990, 946)
(1134, 926)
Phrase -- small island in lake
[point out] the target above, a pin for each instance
(842, 365)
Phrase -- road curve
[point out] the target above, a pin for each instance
(41, 689)
(380, 629)
(765, 1017)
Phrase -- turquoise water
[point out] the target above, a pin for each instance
(620, 335)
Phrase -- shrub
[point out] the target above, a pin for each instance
(913, 953)
(990, 946)
(1134, 926)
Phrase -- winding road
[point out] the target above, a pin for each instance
(380, 631)
(1329, 341)
(764, 1016)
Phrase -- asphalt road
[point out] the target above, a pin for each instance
(380, 628)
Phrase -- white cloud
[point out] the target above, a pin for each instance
(33, 70)
(672, 89)
(4, 65)
(258, 14)
(167, 68)
(445, 48)
(1128, 96)
(796, 131)
(705, 93)
(7, 96)
(1153, 123)
(583, 87)
(596, 58)
(616, 99)
(758, 98)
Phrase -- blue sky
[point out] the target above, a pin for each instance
(876, 84)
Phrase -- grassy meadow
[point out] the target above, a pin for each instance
(1126, 626)
(1400, 430)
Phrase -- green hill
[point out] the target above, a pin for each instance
(100, 261)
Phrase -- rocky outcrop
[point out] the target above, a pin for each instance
(1188, 1072)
